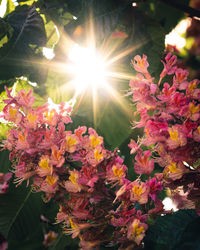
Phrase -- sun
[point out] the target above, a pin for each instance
(87, 68)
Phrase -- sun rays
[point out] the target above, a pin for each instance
(91, 69)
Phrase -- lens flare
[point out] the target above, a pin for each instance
(87, 67)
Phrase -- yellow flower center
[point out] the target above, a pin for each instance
(12, 113)
(22, 137)
(44, 163)
(72, 224)
(71, 141)
(97, 155)
(137, 230)
(49, 115)
(51, 180)
(31, 117)
(51, 237)
(117, 171)
(73, 177)
(172, 167)
(137, 190)
(141, 63)
(56, 154)
(94, 141)
(193, 108)
(192, 86)
(173, 134)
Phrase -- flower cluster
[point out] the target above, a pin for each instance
(97, 201)
(170, 116)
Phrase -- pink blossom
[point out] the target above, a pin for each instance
(154, 188)
(45, 167)
(136, 231)
(144, 165)
(175, 171)
(12, 114)
(139, 192)
(73, 184)
(25, 99)
(180, 78)
(4, 180)
(49, 238)
(57, 156)
(196, 134)
(141, 65)
(70, 143)
(133, 146)
(176, 137)
(192, 89)
(169, 67)
(3, 245)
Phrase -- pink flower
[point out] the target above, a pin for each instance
(180, 78)
(196, 134)
(124, 190)
(80, 131)
(193, 112)
(88, 176)
(25, 99)
(57, 156)
(133, 146)
(139, 192)
(49, 185)
(22, 143)
(62, 215)
(167, 92)
(169, 67)
(141, 64)
(31, 120)
(49, 238)
(3, 245)
(12, 114)
(136, 231)
(4, 179)
(144, 165)
(176, 137)
(192, 89)
(45, 168)
(70, 143)
(96, 156)
(154, 188)
(73, 184)
(116, 173)
(175, 171)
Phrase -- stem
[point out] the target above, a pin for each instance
(19, 210)
(191, 11)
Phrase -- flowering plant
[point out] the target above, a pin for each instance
(89, 182)
(98, 203)
(170, 116)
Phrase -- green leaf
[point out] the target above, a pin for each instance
(10, 7)
(5, 29)
(52, 34)
(18, 58)
(4, 162)
(28, 25)
(18, 212)
(164, 13)
(27, 2)
(173, 227)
